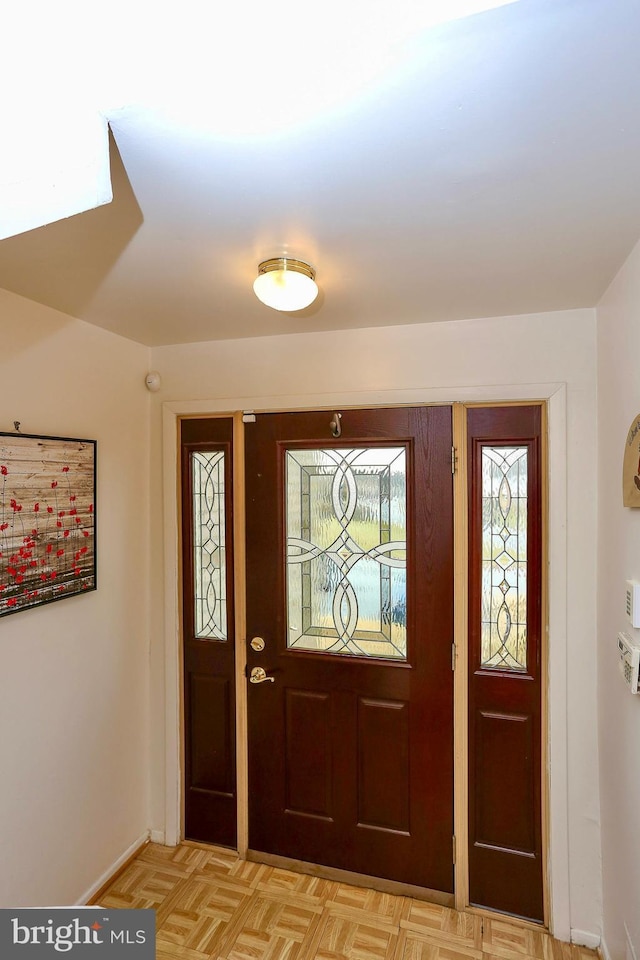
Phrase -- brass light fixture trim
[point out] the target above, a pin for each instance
(287, 263)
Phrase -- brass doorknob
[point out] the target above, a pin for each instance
(258, 675)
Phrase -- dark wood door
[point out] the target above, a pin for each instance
(208, 631)
(350, 735)
(505, 626)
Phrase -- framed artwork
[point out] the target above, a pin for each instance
(47, 519)
(631, 466)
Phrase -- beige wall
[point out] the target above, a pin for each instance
(501, 357)
(74, 674)
(619, 556)
(74, 688)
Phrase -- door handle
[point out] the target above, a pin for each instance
(258, 675)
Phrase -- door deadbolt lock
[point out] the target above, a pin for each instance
(257, 644)
(258, 675)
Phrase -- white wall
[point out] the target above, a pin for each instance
(399, 364)
(619, 553)
(58, 164)
(74, 674)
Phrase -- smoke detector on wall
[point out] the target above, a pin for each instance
(152, 381)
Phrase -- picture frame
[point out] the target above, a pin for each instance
(47, 519)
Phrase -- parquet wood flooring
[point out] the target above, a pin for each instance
(212, 906)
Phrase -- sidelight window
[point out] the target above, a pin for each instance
(209, 544)
(504, 558)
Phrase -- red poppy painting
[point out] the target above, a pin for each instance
(47, 519)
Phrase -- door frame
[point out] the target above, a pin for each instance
(557, 917)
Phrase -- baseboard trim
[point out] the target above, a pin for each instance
(586, 939)
(603, 949)
(157, 836)
(632, 953)
(96, 890)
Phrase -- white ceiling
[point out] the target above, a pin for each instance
(483, 167)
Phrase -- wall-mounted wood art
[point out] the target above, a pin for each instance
(47, 519)
(631, 466)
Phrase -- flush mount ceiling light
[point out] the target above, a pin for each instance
(285, 284)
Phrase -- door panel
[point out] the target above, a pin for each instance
(504, 746)
(208, 634)
(211, 746)
(505, 624)
(383, 758)
(309, 787)
(350, 748)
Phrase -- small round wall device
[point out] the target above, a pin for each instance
(152, 381)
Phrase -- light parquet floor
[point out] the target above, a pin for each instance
(212, 906)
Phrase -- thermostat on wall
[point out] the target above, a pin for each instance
(629, 661)
(633, 602)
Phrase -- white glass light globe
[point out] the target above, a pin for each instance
(286, 288)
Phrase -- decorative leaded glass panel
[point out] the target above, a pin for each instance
(209, 562)
(504, 558)
(346, 513)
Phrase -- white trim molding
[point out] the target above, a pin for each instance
(585, 939)
(110, 871)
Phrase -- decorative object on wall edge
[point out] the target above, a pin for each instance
(47, 519)
(631, 466)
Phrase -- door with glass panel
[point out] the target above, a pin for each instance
(349, 641)
(208, 632)
(505, 637)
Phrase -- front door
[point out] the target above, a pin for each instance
(349, 637)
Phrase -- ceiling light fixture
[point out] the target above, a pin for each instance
(285, 284)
